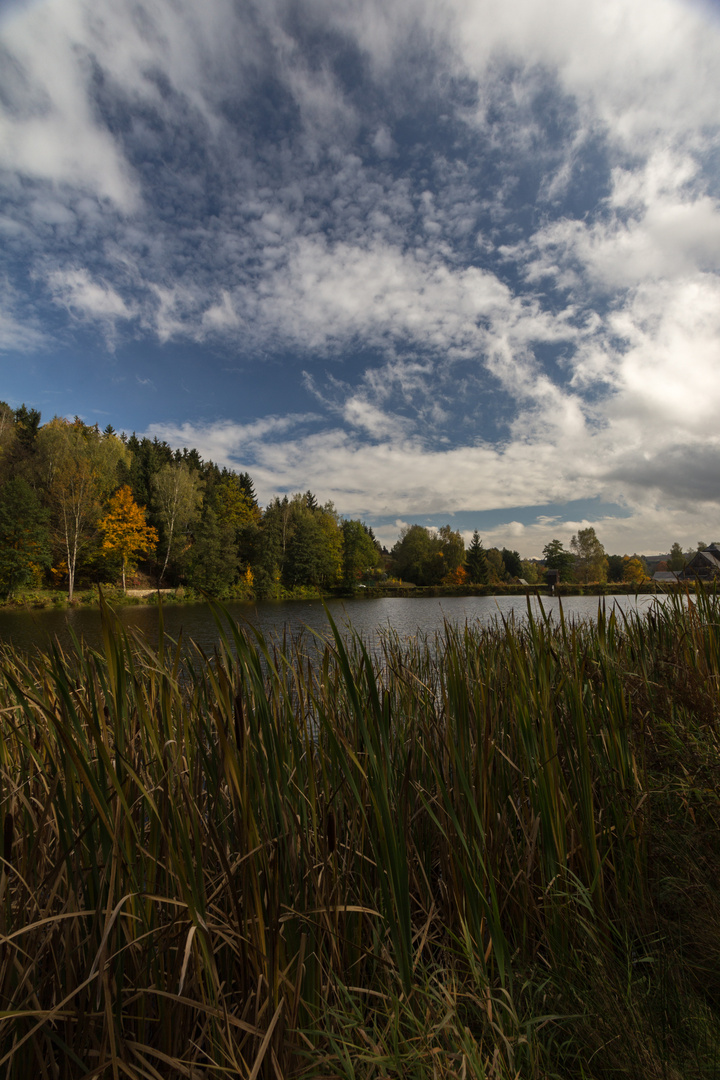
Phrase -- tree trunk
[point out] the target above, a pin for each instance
(167, 554)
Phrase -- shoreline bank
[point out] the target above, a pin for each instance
(47, 598)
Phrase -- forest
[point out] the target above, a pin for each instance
(81, 507)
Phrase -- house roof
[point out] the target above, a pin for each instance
(709, 558)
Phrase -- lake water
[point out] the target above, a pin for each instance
(26, 629)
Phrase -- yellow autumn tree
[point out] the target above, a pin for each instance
(126, 532)
(77, 466)
(633, 570)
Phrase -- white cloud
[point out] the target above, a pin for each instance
(145, 190)
(403, 474)
(221, 316)
(49, 131)
(19, 336)
(659, 228)
(77, 291)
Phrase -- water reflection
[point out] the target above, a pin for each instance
(26, 629)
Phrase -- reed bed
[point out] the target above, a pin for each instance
(489, 854)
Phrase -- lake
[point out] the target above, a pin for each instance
(27, 628)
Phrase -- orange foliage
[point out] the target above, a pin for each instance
(458, 576)
(126, 532)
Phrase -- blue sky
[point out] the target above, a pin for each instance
(437, 262)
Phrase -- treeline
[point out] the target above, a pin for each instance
(439, 557)
(80, 506)
(432, 557)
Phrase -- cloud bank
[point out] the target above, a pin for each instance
(479, 241)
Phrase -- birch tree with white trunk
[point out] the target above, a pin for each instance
(79, 467)
(177, 496)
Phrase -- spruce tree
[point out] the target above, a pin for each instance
(24, 538)
(476, 562)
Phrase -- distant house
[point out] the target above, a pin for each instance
(553, 578)
(665, 577)
(704, 565)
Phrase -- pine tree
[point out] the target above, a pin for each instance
(476, 562)
(213, 560)
(248, 487)
(24, 538)
(512, 561)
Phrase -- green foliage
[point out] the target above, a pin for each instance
(304, 561)
(486, 854)
(532, 572)
(27, 422)
(590, 561)
(79, 468)
(496, 567)
(512, 562)
(213, 560)
(475, 561)
(676, 561)
(177, 496)
(424, 557)
(360, 551)
(557, 558)
(24, 536)
(147, 459)
(616, 567)
(275, 534)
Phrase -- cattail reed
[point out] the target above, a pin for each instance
(8, 829)
(490, 853)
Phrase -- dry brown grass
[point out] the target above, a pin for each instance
(491, 854)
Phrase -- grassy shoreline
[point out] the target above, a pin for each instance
(54, 598)
(489, 854)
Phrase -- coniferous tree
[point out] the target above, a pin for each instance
(27, 423)
(304, 557)
(360, 551)
(248, 487)
(24, 536)
(512, 561)
(213, 561)
(476, 562)
(8, 440)
(616, 567)
(275, 535)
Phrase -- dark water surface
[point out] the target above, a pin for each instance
(28, 628)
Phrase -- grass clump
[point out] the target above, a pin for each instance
(488, 854)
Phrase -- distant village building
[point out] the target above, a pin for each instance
(704, 565)
(665, 577)
(552, 577)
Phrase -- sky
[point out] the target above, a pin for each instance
(437, 262)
